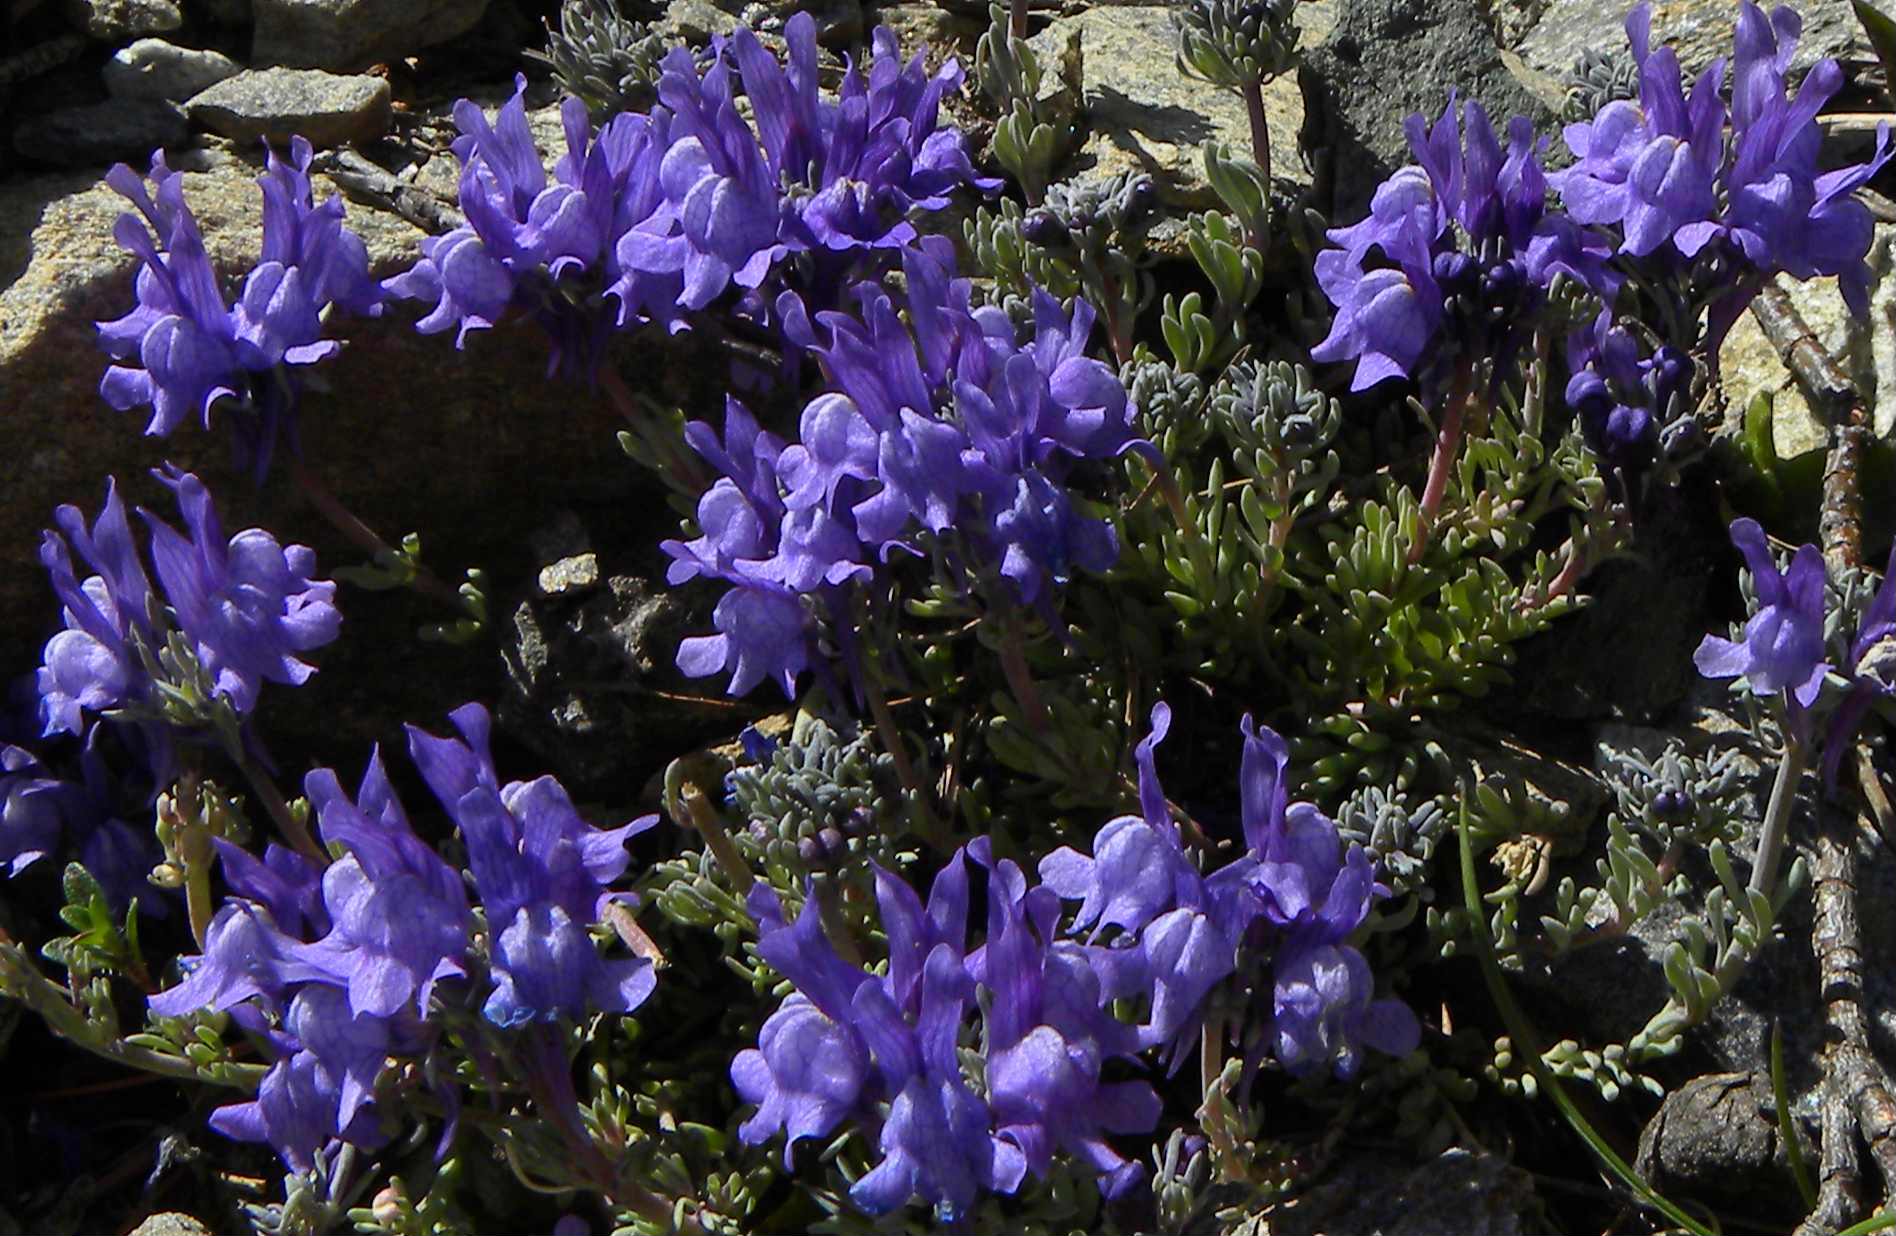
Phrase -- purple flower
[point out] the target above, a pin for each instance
(283, 882)
(1465, 234)
(806, 1075)
(549, 249)
(1651, 167)
(1324, 1013)
(832, 180)
(245, 609)
(182, 347)
(1181, 931)
(1682, 174)
(542, 874)
(1048, 1039)
(248, 606)
(1623, 396)
(1783, 644)
(322, 1088)
(94, 664)
(245, 957)
(33, 807)
(399, 913)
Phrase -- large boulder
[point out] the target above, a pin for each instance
(1700, 30)
(274, 105)
(353, 34)
(1386, 59)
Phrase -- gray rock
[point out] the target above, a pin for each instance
(1455, 1194)
(1865, 347)
(276, 104)
(112, 21)
(1386, 59)
(695, 21)
(353, 34)
(170, 1223)
(1718, 1135)
(589, 667)
(1141, 114)
(227, 12)
(128, 129)
(155, 69)
(1700, 30)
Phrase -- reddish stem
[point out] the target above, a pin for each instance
(1447, 447)
(363, 537)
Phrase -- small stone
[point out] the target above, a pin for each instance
(155, 69)
(113, 21)
(171, 1223)
(579, 573)
(694, 21)
(1142, 114)
(277, 104)
(128, 129)
(353, 34)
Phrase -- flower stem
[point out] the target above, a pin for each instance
(1441, 463)
(1017, 18)
(1260, 148)
(927, 825)
(365, 538)
(1777, 814)
(293, 830)
(686, 474)
(717, 839)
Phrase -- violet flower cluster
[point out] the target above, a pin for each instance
(666, 212)
(885, 1052)
(183, 348)
(1455, 256)
(1455, 259)
(1296, 897)
(1684, 177)
(333, 970)
(953, 433)
(227, 615)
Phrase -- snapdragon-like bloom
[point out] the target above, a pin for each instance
(546, 248)
(1315, 894)
(399, 913)
(1179, 931)
(831, 179)
(1457, 250)
(248, 605)
(1783, 644)
(246, 609)
(390, 922)
(542, 873)
(94, 665)
(182, 348)
(1739, 185)
(957, 428)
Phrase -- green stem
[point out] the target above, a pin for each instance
(1442, 462)
(20, 979)
(292, 829)
(1527, 1042)
(1777, 815)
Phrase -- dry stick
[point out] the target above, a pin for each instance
(365, 538)
(1856, 1096)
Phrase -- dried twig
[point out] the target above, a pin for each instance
(1856, 1100)
(363, 182)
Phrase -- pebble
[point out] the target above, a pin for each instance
(276, 104)
(155, 69)
(113, 21)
